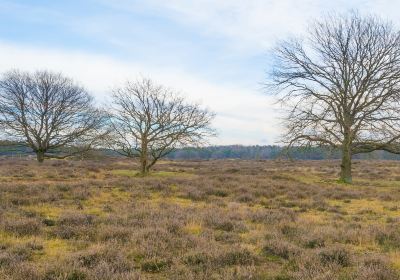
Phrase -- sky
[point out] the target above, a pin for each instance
(214, 52)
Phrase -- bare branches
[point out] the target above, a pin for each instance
(149, 121)
(47, 111)
(342, 84)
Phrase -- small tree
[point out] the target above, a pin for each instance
(48, 112)
(149, 121)
(342, 86)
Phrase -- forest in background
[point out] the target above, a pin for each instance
(255, 152)
(271, 152)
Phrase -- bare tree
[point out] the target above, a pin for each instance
(342, 86)
(48, 112)
(149, 121)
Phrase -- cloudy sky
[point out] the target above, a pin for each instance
(215, 52)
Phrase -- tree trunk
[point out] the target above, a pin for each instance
(345, 173)
(144, 170)
(40, 156)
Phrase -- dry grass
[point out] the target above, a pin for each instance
(198, 220)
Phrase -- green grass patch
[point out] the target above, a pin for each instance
(125, 172)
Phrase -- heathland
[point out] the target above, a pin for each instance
(220, 219)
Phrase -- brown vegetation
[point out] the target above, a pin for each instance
(198, 220)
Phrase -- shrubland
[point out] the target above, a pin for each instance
(221, 219)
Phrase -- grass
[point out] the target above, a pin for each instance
(125, 172)
(134, 173)
(45, 210)
(193, 228)
(198, 220)
(55, 248)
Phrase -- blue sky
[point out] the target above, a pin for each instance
(215, 52)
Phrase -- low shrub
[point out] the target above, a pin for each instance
(22, 226)
(335, 255)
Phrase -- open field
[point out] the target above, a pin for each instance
(198, 220)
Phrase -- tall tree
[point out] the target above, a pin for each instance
(342, 86)
(149, 121)
(48, 112)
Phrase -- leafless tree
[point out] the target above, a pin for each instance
(342, 86)
(48, 112)
(149, 121)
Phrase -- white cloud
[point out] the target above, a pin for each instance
(252, 25)
(243, 116)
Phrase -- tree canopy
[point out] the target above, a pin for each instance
(342, 86)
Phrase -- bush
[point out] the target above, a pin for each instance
(110, 254)
(389, 239)
(49, 222)
(217, 192)
(22, 226)
(314, 243)
(154, 265)
(197, 259)
(335, 255)
(272, 216)
(65, 272)
(76, 219)
(236, 257)
(375, 269)
(76, 275)
(281, 249)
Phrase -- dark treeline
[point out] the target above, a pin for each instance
(270, 152)
(226, 152)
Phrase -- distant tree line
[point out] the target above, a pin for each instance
(256, 152)
(270, 152)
